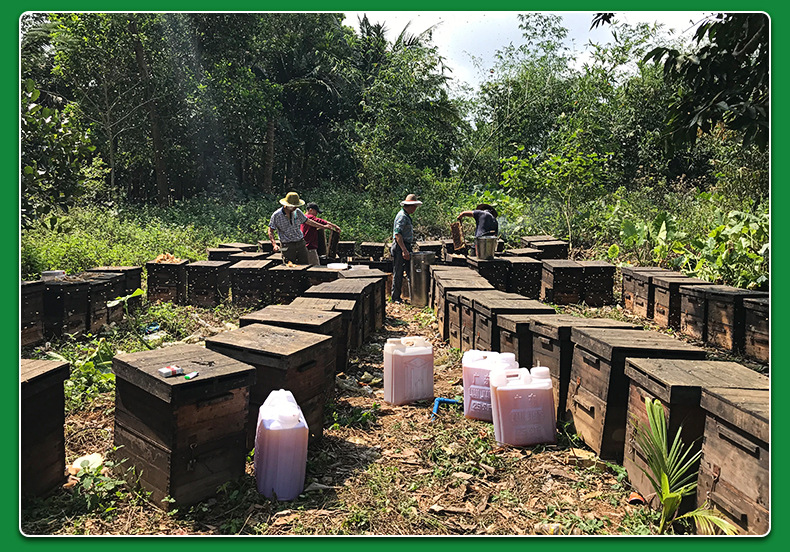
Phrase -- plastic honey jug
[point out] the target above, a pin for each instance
(477, 391)
(408, 370)
(280, 447)
(522, 406)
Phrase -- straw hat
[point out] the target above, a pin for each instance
(291, 199)
(411, 199)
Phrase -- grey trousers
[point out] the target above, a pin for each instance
(399, 265)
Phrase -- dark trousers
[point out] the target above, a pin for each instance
(399, 265)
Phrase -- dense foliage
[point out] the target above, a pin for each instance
(177, 131)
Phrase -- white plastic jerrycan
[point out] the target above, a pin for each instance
(408, 370)
(523, 406)
(477, 392)
(280, 447)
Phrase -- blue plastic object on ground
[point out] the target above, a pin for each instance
(441, 400)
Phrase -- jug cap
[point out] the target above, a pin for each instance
(540, 372)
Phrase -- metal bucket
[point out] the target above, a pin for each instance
(485, 246)
(420, 277)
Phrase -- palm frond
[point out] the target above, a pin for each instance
(709, 520)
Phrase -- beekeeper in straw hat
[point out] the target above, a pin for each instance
(402, 242)
(287, 221)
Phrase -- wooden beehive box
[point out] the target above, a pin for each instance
(551, 249)
(31, 313)
(184, 437)
(250, 283)
(348, 308)
(320, 274)
(678, 384)
(379, 294)
(316, 321)
(597, 283)
(515, 337)
(250, 247)
(283, 358)
(102, 287)
(629, 284)
(247, 256)
(693, 312)
(450, 327)
(756, 331)
(489, 306)
(65, 306)
(598, 390)
(372, 250)
(552, 347)
(466, 301)
(726, 325)
(734, 470)
(525, 275)
(265, 246)
(208, 283)
(384, 265)
(645, 290)
(496, 271)
(167, 282)
(132, 280)
(448, 272)
(346, 249)
(430, 245)
(527, 241)
(221, 253)
(446, 285)
(359, 262)
(42, 415)
(359, 290)
(561, 281)
(667, 300)
(288, 282)
(523, 252)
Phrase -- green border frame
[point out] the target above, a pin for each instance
(9, 277)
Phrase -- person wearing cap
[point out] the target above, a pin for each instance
(311, 232)
(485, 217)
(402, 240)
(287, 221)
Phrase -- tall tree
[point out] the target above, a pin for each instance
(725, 80)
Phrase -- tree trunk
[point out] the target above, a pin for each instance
(268, 160)
(162, 187)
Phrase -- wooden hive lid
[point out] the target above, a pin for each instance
(36, 375)
(598, 265)
(544, 243)
(746, 409)
(122, 269)
(565, 264)
(372, 244)
(517, 322)
(270, 341)
(251, 255)
(209, 264)
(559, 326)
(648, 276)
(429, 243)
(682, 380)
(608, 342)
(676, 280)
(239, 245)
(217, 373)
(363, 273)
(467, 297)
(294, 268)
(694, 290)
(498, 261)
(223, 250)
(325, 303)
(300, 316)
(182, 262)
(512, 302)
(731, 293)
(476, 283)
(631, 270)
(251, 265)
(538, 238)
(523, 260)
(522, 252)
